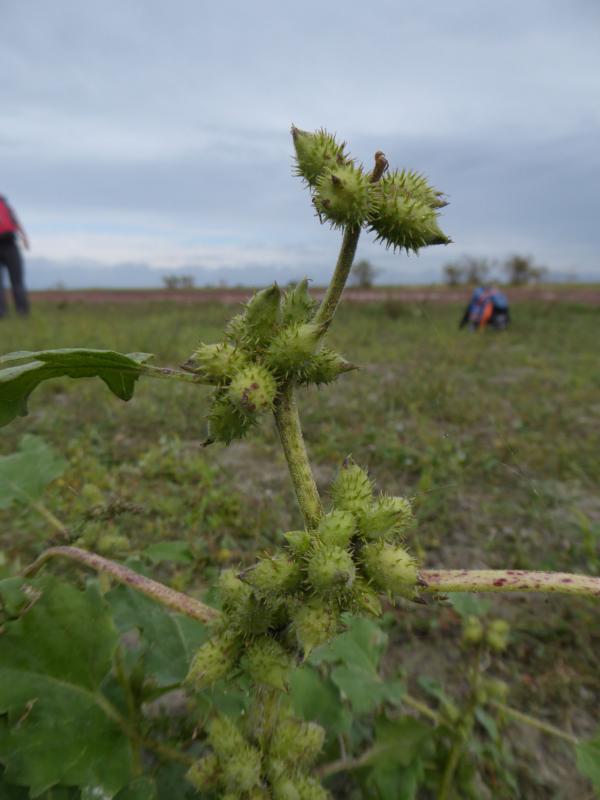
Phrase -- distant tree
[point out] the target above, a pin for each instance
(520, 270)
(363, 274)
(178, 281)
(467, 270)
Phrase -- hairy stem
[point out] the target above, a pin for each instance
(508, 580)
(170, 374)
(176, 601)
(330, 302)
(533, 722)
(292, 441)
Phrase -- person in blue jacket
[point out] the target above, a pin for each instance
(488, 307)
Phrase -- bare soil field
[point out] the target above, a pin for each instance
(589, 295)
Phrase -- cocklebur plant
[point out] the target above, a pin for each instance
(348, 558)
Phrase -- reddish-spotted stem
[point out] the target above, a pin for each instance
(508, 580)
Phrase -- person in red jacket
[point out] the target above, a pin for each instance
(10, 257)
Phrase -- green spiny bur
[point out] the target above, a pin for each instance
(310, 789)
(315, 153)
(225, 738)
(233, 591)
(205, 773)
(315, 622)
(254, 617)
(262, 315)
(274, 575)
(403, 222)
(297, 306)
(387, 518)
(365, 598)
(214, 660)
(216, 363)
(337, 528)
(324, 367)
(226, 422)
(268, 663)
(253, 390)
(413, 186)
(293, 347)
(391, 568)
(497, 635)
(296, 742)
(352, 489)
(241, 772)
(330, 569)
(299, 542)
(344, 196)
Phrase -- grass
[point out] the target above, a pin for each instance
(495, 436)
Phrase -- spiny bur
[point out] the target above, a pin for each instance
(274, 575)
(216, 363)
(214, 660)
(391, 568)
(387, 518)
(205, 773)
(344, 196)
(226, 422)
(297, 305)
(262, 315)
(352, 489)
(315, 622)
(253, 389)
(299, 542)
(473, 630)
(337, 528)
(324, 367)
(497, 635)
(297, 742)
(330, 569)
(242, 771)
(293, 347)
(315, 153)
(268, 663)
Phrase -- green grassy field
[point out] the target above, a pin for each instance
(496, 437)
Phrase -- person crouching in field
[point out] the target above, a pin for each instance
(10, 257)
(488, 307)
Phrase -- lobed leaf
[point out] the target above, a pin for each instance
(118, 371)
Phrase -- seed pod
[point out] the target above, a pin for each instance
(284, 788)
(365, 599)
(225, 738)
(254, 617)
(299, 542)
(316, 152)
(297, 305)
(391, 568)
(344, 196)
(296, 742)
(268, 663)
(292, 347)
(259, 793)
(352, 489)
(235, 332)
(414, 186)
(216, 363)
(226, 422)
(324, 367)
(252, 390)
(275, 575)
(205, 773)
(402, 222)
(496, 689)
(472, 631)
(214, 660)
(233, 591)
(241, 771)
(310, 789)
(330, 569)
(497, 635)
(262, 315)
(337, 528)
(387, 518)
(315, 623)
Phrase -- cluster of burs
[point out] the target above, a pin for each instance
(272, 342)
(401, 208)
(278, 610)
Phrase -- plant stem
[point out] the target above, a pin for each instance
(49, 517)
(511, 580)
(157, 591)
(422, 708)
(330, 302)
(533, 722)
(294, 448)
(170, 374)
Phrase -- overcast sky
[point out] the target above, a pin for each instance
(147, 132)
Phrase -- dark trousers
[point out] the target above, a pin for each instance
(10, 257)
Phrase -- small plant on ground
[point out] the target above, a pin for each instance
(62, 664)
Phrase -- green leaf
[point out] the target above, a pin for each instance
(118, 371)
(316, 699)
(25, 474)
(60, 728)
(588, 760)
(177, 551)
(467, 605)
(167, 641)
(139, 789)
(361, 645)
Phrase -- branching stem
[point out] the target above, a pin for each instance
(176, 601)
(294, 448)
(508, 580)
